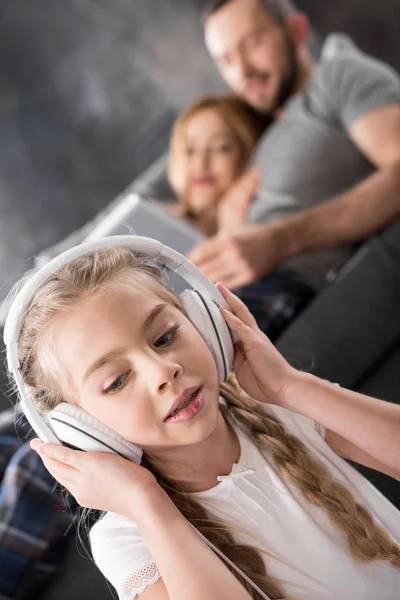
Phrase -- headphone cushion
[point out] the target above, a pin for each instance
(76, 427)
(209, 322)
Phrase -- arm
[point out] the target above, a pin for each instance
(365, 208)
(362, 96)
(240, 257)
(361, 428)
(350, 451)
(358, 427)
(182, 557)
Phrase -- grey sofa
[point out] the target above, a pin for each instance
(350, 333)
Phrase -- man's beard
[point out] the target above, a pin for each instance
(287, 83)
(289, 80)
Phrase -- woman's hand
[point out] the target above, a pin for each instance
(98, 480)
(260, 369)
(233, 206)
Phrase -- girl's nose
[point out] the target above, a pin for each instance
(200, 163)
(164, 375)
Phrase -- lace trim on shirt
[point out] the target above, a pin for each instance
(138, 582)
(320, 429)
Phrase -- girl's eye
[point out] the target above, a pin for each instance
(118, 384)
(256, 38)
(167, 338)
(224, 148)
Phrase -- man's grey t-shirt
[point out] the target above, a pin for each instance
(306, 157)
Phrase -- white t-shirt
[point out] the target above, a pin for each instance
(315, 559)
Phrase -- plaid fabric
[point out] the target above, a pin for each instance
(33, 520)
(275, 300)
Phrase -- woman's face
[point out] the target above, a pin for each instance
(127, 356)
(212, 158)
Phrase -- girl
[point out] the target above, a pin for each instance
(211, 145)
(257, 469)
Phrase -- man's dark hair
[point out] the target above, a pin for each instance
(278, 9)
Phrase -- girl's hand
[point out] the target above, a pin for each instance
(260, 369)
(98, 480)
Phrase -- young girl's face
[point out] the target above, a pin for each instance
(127, 356)
(212, 157)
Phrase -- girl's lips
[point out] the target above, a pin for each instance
(182, 398)
(190, 411)
(203, 181)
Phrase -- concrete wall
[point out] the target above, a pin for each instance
(88, 91)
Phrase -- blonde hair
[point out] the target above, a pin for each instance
(96, 273)
(245, 125)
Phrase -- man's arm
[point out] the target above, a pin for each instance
(254, 250)
(365, 208)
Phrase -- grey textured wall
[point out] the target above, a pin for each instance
(88, 91)
(373, 24)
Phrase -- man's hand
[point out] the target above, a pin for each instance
(232, 208)
(240, 257)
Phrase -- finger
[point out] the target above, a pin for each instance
(240, 275)
(232, 281)
(255, 175)
(244, 332)
(204, 252)
(220, 270)
(62, 454)
(220, 266)
(64, 474)
(34, 444)
(238, 357)
(250, 180)
(237, 306)
(237, 280)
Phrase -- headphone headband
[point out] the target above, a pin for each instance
(221, 350)
(163, 254)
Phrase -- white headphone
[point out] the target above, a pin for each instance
(70, 424)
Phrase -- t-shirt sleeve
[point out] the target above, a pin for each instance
(351, 83)
(122, 555)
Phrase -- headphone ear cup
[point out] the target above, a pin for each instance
(77, 428)
(206, 317)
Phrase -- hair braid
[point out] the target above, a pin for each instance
(247, 558)
(367, 540)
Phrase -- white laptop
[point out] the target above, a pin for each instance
(140, 217)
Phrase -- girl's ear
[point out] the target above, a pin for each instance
(299, 28)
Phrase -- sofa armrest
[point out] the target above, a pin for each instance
(355, 319)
